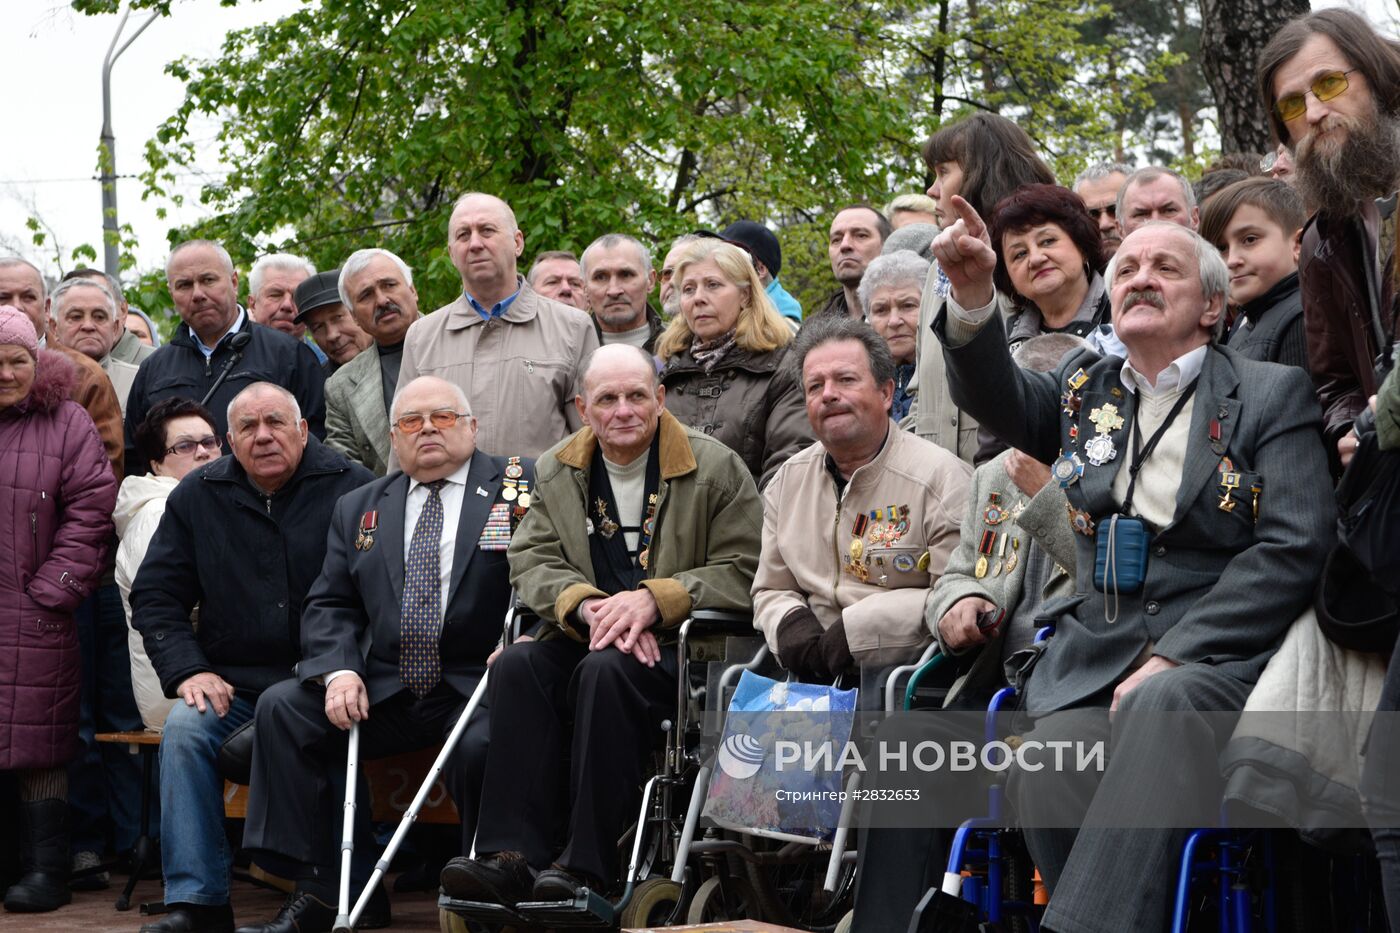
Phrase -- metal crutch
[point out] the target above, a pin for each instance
(347, 836)
(345, 920)
(344, 924)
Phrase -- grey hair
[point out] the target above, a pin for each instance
(902, 267)
(215, 245)
(68, 285)
(356, 264)
(1099, 171)
(113, 285)
(547, 256)
(1150, 174)
(826, 329)
(285, 262)
(643, 355)
(258, 387)
(1043, 352)
(457, 391)
(510, 214)
(921, 203)
(7, 262)
(611, 241)
(1210, 266)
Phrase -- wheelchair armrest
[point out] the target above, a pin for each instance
(892, 682)
(723, 622)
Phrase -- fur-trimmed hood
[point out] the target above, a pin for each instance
(54, 378)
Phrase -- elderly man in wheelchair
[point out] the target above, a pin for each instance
(858, 526)
(1198, 485)
(636, 523)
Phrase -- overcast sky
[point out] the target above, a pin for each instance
(53, 108)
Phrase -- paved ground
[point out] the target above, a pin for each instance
(93, 912)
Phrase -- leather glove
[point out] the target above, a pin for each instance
(799, 639)
(835, 652)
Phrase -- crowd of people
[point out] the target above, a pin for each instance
(310, 509)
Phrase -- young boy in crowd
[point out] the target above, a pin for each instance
(1257, 224)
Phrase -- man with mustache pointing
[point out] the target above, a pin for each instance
(377, 287)
(1203, 476)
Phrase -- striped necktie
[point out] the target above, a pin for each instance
(420, 622)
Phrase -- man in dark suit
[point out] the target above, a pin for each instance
(1219, 460)
(416, 567)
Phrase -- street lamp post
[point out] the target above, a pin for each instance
(110, 236)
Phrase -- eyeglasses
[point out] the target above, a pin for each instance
(442, 419)
(1324, 87)
(185, 448)
(1108, 210)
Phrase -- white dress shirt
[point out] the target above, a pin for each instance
(451, 495)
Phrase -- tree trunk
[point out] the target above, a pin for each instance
(1185, 112)
(1233, 33)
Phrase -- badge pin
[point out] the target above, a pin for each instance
(923, 561)
(903, 563)
(1106, 418)
(514, 471)
(1067, 469)
(1100, 449)
(1081, 521)
(481, 492)
(1077, 380)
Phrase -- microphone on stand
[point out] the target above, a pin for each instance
(238, 343)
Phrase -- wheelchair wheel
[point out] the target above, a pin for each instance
(791, 893)
(723, 899)
(655, 902)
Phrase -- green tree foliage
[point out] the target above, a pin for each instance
(357, 122)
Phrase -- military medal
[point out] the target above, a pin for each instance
(1067, 469)
(1099, 449)
(1254, 490)
(1001, 555)
(1080, 520)
(523, 500)
(648, 528)
(369, 523)
(984, 549)
(1106, 418)
(513, 487)
(857, 549)
(606, 526)
(1069, 403)
(1012, 559)
(993, 514)
(1229, 482)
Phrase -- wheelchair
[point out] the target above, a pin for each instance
(677, 872)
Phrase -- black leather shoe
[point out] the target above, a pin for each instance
(193, 918)
(556, 883)
(503, 878)
(301, 913)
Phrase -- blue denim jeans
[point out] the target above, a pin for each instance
(195, 855)
(104, 781)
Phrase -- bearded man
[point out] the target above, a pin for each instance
(1331, 84)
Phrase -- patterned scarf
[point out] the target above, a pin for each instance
(708, 353)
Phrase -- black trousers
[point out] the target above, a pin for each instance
(571, 731)
(1380, 800)
(297, 790)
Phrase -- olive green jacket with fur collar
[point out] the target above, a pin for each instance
(703, 555)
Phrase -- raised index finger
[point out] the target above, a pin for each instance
(970, 218)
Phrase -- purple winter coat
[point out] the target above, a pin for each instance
(57, 493)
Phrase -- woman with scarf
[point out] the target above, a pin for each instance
(723, 360)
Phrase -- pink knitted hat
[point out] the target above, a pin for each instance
(16, 328)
